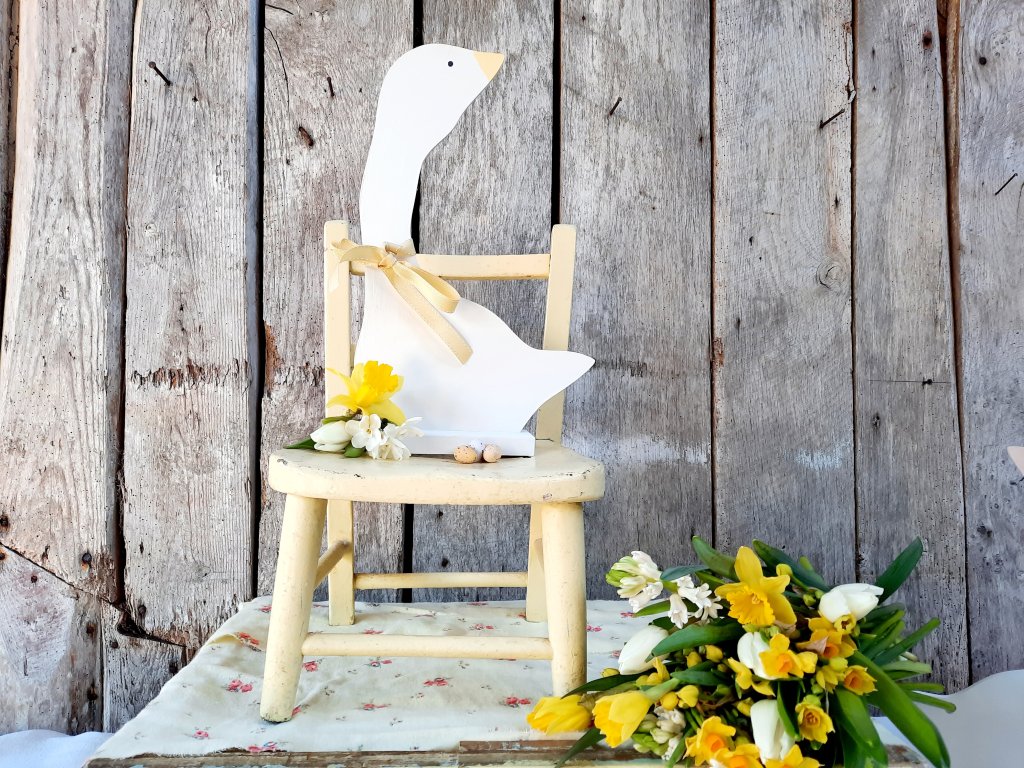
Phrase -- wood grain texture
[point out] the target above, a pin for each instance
(991, 273)
(782, 347)
(487, 189)
(60, 356)
(635, 180)
(323, 65)
(187, 510)
(8, 77)
(50, 656)
(134, 668)
(909, 478)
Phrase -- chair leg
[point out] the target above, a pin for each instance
(301, 533)
(565, 582)
(341, 582)
(536, 605)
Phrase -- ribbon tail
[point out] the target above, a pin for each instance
(431, 316)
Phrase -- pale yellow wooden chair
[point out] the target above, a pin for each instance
(321, 488)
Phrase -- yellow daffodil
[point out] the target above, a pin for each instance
(743, 706)
(743, 756)
(745, 678)
(858, 680)
(558, 715)
(713, 737)
(827, 639)
(814, 722)
(619, 715)
(831, 674)
(659, 675)
(794, 759)
(688, 695)
(780, 662)
(713, 652)
(369, 390)
(756, 600)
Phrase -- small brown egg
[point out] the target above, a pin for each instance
(491, 453)
(466, 454)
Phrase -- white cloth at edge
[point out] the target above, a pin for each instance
(47, 749)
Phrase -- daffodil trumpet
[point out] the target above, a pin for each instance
(755, 661)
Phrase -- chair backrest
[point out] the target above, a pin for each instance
(556, 267)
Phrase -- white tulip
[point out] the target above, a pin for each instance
(769, 734)
(857, 600)
(633, 657)
(749, 650)
(331, 438)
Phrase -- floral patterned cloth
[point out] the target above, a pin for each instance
(358, 703)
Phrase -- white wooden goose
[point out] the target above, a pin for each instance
(505, 381)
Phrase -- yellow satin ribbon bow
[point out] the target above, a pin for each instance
(425, 293)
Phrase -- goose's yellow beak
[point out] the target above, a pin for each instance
(490, 63)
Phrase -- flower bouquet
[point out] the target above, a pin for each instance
(372, 423)
(783, 680)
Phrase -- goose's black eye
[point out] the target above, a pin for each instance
(451, 63)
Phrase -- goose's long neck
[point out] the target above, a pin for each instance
(390, 179)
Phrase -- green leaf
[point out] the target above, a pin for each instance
(332, 419)
(677, 753)
(703, 677)
(932, 701)
(722, 564)
(785, 712)
(586, 741)
(922, 686)
(773, 557)
(893, 652)
(698, 634)
(653, 609)
(881, 614)
(904, 714)
(905, 562)
(603, 683)
(679, 571)
(853, 717)
(354, 453)
(306, 444)
(897, 670)
(884, 636)
(665, 623)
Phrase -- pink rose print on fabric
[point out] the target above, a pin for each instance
(200, 734)
(298, 710)
(264, 608)
(521, 615)
(237, 686)
(373, 631)
(378, 662)
(370, 706)
(592, 628)
(311, 666)
(268, 746)
(482, 627)
(615, 654)
(437, 682)
(478, 602)
(626, 614)
(515, 702)
(249, 641)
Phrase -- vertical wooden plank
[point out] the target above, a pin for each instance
(8, 76)
(323, 66)
(187, 510)
(635, 180)
(60, 357)
(909, 478)
(487, 189)
(135, 668)
(782, 348)
(991, 272)
(50, 672)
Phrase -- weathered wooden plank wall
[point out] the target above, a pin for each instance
(799, 270)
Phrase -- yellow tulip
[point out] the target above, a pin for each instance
(794, 759)
(558, 715)
(858, 680)
(619, 715)
(780, 662)
(756, 600)
(815, 723)
(369, 390)
(713, 737)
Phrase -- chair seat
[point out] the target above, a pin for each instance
(554, 474)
